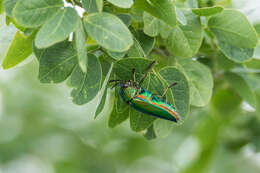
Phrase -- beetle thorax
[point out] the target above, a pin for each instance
(128, 92)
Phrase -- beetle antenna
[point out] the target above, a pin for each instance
(148, 69)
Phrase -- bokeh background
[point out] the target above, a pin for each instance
(42, 131)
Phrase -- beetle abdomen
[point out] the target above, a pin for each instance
(154, 106)
(147, 103)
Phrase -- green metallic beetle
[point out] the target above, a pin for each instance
(143, 100)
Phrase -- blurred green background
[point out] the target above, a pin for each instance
(41, 131)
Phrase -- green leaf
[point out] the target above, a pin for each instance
(126, 18)
(100, 4)
(207, 136)
(103, 91)
(80, 39)
(58, 28)
(252, 79)
(116, 55)
(257, 28)
(193, 3)
(223, 62)
(207, 11)
(120, 111)
(163, 9)
(253, 64)
(56, 62)
(123, 67)
(86, 85)
(257, 52)
(143, 45)
(150, 134)
(19, 50)
(108, 31)
(181, 91)
(236, 54)
(140, 121)
(6, 36)
(9, 6)
(233, 28)
(17, 25)
(101, 103)
(185, 41)
(180, 16)
(241, 87)
(164, 29)
(155, 84)
(32, 13)
(1, 7)
(200, 81)
(105, 64)
(8, 20)
(258, 105)
(92, 6)
(225, 102)
(162, 128)
(122, 3)
(29, 31)
(151, 25)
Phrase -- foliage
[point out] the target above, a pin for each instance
(203, 46)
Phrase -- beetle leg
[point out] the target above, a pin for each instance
(114, 81)
(165, 91)
(114, 85)
(148, 69)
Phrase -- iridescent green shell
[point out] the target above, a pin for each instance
(143, 101)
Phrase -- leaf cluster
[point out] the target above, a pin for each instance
(196, 44)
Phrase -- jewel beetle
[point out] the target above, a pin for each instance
(143, 100)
